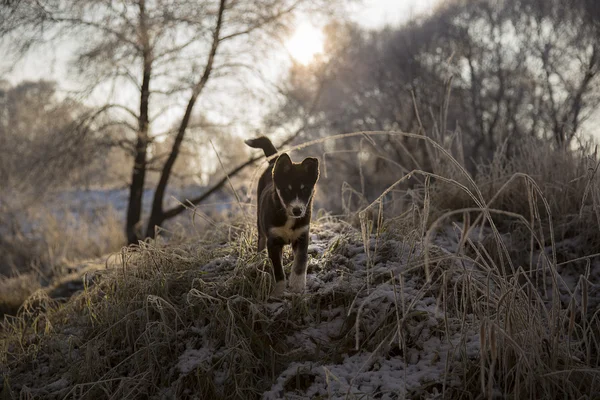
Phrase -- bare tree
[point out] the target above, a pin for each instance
(563, 39)
(45, 142)
(526, 68)
(168, 54)
(510, 69)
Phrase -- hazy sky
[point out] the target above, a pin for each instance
(376, 13)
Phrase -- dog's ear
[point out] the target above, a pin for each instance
(283, 165)
(311, 167)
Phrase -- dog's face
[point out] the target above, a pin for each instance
(295, 183)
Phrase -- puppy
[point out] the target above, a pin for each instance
(284, 202)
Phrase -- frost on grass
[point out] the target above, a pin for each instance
(389, 342)
(196, 321)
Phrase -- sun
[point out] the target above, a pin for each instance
(305, 43)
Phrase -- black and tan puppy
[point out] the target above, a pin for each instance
(284, 202)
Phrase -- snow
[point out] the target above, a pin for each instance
(193, 358)
(367, 374)
(400, 362)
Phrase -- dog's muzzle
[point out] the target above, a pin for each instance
(296, 208)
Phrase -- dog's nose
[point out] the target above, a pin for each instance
(297, 211)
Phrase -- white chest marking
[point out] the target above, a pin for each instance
(286, 232)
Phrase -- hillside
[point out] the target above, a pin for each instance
(389, 313)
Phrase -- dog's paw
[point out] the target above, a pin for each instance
(278, 289)
(297, 282)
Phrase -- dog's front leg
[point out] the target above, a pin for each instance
(274, 248)
(298, 274)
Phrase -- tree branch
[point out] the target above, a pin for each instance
(104, 28)
(157, 214)
(262, 23)
(124, 108)
(217, 186)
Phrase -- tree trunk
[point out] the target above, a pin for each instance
(157, 216)
(175, 211)
(136, 188)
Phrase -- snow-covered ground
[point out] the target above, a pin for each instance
(376, 360)
(402, 341)
(369, 325)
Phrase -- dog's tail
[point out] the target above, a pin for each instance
(264, 143)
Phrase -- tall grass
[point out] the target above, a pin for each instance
(48, 236)
(510, 281)
(539, 336)
(45, 242)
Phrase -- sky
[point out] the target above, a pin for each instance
(378, 13)
(371, 14)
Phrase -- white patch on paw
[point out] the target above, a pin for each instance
(297, 282)
(278, 289)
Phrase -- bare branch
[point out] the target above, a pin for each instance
(262, 23)
(102, 27)
(217, 186)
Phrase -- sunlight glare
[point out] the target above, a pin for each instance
(305, 43)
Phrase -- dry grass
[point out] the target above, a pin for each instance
(14, 291)
(130, 329)
(539, 336)
(51, 245)
(46, 238)
(194, 320)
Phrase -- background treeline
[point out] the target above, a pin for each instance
(480, 77)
